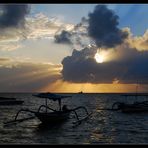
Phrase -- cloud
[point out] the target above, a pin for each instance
(12, 25)
(27, 77)
(40, 26)
(36, 27)
(139, 42)
(13, 15)
(74, 35)
(9, 46)
(103, 27)
(126, 55)
(127, 66)
(4, 59)
(63, 37)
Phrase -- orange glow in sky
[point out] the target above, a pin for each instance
(67, 87)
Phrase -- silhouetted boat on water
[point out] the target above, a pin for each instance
(55, 116)
(10, 101)
(50, 116)
(80, 92)
(136, 107)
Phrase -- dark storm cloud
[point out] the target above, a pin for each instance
(75, 37)
(81, 67)
(128, 65)
(13, 15)
(103, 27)
(63, 37)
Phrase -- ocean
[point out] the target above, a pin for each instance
(102, 127)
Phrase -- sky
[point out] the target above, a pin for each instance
(73, 47)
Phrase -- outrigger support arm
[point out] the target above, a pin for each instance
(27, 110)
(77, 108)
(20, 120)
(80, 107)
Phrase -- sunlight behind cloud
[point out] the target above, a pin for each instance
(99, 58)
(105, 55)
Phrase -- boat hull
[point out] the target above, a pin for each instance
(134, 108)
(52, 118)
(11, 102)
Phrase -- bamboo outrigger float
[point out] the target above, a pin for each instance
(51, 116)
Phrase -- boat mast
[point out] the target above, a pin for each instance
(136, 90)
(46, 104)
(60, 104)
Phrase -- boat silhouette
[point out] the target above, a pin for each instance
(50, 116)
(10, 101)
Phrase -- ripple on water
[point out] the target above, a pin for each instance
(102, 127)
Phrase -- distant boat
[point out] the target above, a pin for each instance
(136, 107)
(80, 92)
(10, 101)
(4, 98)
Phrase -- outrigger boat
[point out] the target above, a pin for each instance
(52, 116)
(10, 101)
(136, 107)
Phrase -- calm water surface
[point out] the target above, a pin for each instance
(103, 127)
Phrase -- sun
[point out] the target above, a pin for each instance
(99, 58)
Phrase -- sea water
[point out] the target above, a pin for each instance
(102, 127)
